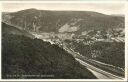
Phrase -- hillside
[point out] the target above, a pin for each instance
(24, 57)
(7, 29)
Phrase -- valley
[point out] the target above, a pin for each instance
(89, 43)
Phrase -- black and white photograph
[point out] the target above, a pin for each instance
(63, 41)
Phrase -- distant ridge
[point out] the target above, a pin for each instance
(52, 21)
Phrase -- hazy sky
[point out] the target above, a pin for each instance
(106, 8)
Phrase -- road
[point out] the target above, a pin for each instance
(101, 74)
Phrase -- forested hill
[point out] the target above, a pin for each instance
(22, 56)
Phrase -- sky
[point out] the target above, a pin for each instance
(105, 8)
